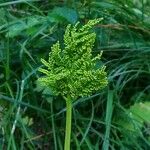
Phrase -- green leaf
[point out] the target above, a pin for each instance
(135, 117)
(61, 14)
(104, 5)
(141, 112)
(21, 25)
(27, 121)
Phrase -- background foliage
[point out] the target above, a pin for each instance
(117, 118)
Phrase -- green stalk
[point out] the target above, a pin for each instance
(68, 123)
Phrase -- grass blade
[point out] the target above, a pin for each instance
(109, 110)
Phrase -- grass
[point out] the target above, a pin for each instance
(31, 118)
(109, 111)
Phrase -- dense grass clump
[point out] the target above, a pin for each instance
(32, 117)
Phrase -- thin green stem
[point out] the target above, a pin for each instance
(53, 127)
(68, 124)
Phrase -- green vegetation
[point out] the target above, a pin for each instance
(32, 115)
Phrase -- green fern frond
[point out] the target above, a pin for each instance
(71, 71)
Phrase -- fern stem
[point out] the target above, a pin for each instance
(68, 124)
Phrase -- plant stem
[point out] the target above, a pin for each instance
(68, 123)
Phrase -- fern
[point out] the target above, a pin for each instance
(71, 72)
